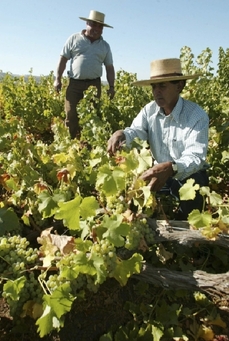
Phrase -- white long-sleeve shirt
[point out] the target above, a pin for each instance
(181, 137)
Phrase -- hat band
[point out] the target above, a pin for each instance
(96, 20)
(167, 75)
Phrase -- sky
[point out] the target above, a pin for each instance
(33, 32)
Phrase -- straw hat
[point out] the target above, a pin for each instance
(165, 70)
(97, 17)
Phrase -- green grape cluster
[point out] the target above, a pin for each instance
(77, 283)
(16, 256)
(54, 281)
(91, 285)
(108, 252)
(116, 204)
(111, 202)
(139, 230)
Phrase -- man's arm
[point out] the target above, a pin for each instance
(110, 78)
(60, 70)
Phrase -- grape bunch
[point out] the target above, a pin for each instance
(31, 291)
(107, 251)
(54, 281)
(16, 256)
(18, 260)
(116, 204)
(139, 231)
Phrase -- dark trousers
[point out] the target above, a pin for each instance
(172, 187)
(74, 93)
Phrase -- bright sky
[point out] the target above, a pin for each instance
(32, 32)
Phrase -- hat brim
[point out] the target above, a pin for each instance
(99, 22)
(164, 79)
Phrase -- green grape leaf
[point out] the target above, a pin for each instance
(98, 263)
(116, 229)
(8, 220)
(92, 265)
(145, 160)
(83, 264)
(61, 300)
(143, 196)
(188, 190)
(60, 158)
(129, 161)
(225, 220)
(45, 322)
(88, 207)
(110, 181)
(126, 268)
(157, 333)
(11, 184)
(69, 273)
(70, 213)
(48, 206)
(225, 156)
(198, 219)
(13, 288)
(83, 245)
(57, 304)
(119, 178)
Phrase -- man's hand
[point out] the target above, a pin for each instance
(115, 142)
(158, 175)
(111, 92)
(57, 85)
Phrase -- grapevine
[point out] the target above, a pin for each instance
(74, 218)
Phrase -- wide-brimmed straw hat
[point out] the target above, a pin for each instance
(165, 70)
(97, 17)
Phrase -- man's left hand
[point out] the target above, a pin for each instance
(111, 92)
(158, 175)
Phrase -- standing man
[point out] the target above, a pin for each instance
(87, 52)
(177, 132)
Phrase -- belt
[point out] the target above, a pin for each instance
(85, 80)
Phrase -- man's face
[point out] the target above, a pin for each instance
(166, 94)
(94, 29)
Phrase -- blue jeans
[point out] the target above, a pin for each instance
(172, 187)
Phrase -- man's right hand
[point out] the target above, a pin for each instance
(115, 142)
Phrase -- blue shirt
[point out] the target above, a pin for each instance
(86, 58)
(181, 137)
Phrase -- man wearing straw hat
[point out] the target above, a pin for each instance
(177, 132)
(88, 52)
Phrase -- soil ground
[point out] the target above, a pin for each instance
(88, 320)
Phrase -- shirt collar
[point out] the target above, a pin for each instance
(176, 110)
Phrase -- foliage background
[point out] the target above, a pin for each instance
(36, 154)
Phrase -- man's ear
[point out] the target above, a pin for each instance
(180, 86)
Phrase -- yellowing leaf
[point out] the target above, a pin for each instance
(126, 268)
(32, 309)
(206, 333)
(198, 220)
(162, 254)
(53, 242)
(188, 190)
(218, 322)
